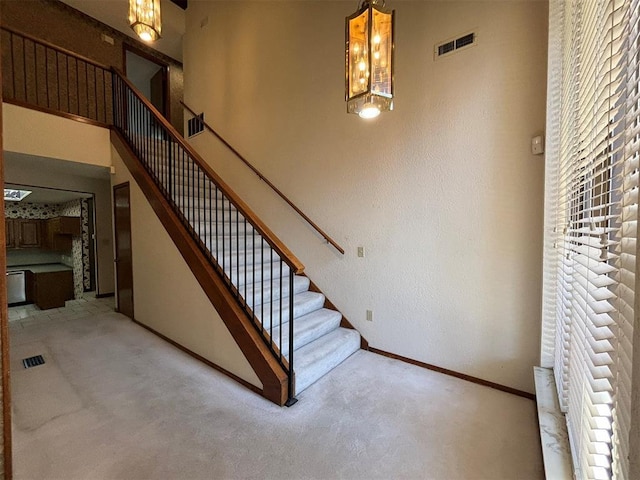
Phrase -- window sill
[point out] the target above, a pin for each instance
(553, 429)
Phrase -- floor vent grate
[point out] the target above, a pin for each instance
(33, 361)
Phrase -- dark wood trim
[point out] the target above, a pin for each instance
(105, 295)
(7, 445)
(268, 182)
(51, 111)
(55, 47)
(271, 374)
(207, 362)
(281, 249)
(115, 245)
(344, 323)
(453, 373)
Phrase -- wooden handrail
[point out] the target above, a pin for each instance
(285, 254)
(55, 47)
(267, 181)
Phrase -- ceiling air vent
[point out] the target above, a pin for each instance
(453, 45)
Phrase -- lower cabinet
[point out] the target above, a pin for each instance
(50, 289)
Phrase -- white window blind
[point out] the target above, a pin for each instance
(591, 196)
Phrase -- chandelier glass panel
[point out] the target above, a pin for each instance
(369, 59)
(145, 19)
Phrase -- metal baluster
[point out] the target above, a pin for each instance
(262, 287)
(58, 78)
(24, 68)
(170, 166)
(253, 263)
(237, 245)
(86, 86)
(66, 63)
(280, 319)
(271, 298)
(291, 383)
(245, 261)
(95, 91)
(223, 235)
(35, 68)
(116, 104)
(46, 75)
(217, 254)
(13, 67)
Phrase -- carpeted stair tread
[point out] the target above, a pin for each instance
(319, 357)
(303, 303)
(245, 274)
(307, 329)
(265, 291)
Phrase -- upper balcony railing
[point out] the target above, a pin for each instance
(40, 75)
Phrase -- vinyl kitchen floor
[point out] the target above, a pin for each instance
(25, 315)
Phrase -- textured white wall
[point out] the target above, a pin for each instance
(167, 297)
(36, 133)
(443, 193)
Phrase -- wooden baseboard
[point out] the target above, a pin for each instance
(207, 362)
(453, 373)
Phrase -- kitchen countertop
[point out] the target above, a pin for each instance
(44, 268)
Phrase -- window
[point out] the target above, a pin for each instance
(591, 195)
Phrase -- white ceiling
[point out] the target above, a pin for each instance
(115, 14)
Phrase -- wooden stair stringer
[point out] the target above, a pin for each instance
(269, 371)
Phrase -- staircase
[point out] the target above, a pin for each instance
(319, 342)
(297, 324)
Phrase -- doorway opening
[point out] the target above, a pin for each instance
(150, 76)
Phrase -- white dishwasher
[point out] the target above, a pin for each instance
(16, 287)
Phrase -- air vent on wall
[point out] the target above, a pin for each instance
(449, 47)
(195, 125)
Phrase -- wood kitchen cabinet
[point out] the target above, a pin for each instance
(28, 233)
(23, 233)
(50, 289)
(10, 238)
(60, 231)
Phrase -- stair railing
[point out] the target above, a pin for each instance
(223, 226)
(267, 181)
(42, 76)
(45, 77)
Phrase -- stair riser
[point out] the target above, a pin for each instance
(201, 219)
(237, 257)
(264, 291)
(267, 313)
(303, 337)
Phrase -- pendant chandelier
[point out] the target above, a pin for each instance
(144, 19)
(369, 59)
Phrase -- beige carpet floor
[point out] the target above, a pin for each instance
(115, 402)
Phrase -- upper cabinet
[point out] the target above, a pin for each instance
(29, 233)
(23, 233)
(52, 234)
(10, 238)
(60, 231)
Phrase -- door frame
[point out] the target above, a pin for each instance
(165, 69)
(115, 241)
